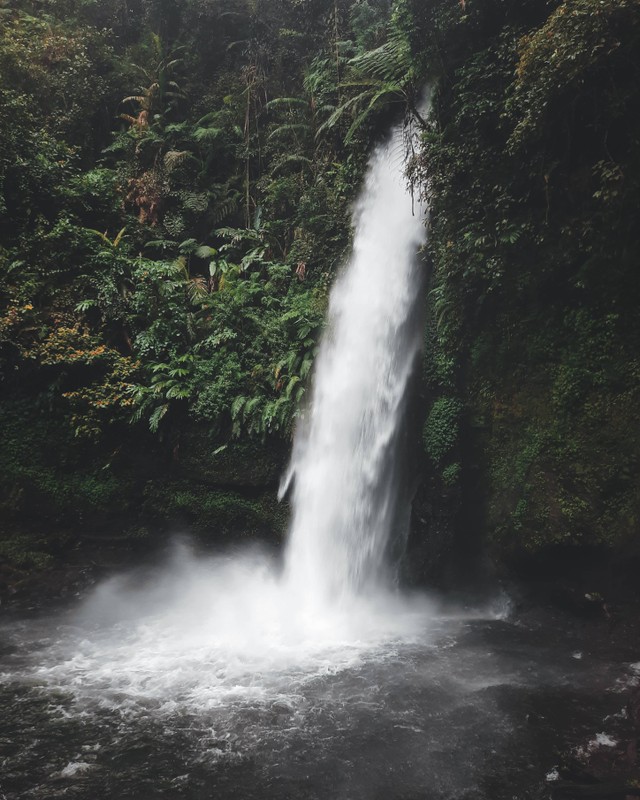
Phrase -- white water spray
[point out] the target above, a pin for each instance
(346, 496)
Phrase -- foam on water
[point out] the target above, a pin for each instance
(205, 632)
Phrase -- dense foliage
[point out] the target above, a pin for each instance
(175, 193)
(175, 183)
(532, 166)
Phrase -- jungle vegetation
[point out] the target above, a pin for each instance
(175, 187)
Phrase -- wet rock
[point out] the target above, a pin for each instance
(282, 707)
(633, 708)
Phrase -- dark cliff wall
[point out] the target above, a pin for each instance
(532, 165)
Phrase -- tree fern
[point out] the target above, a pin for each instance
(387, 74)
(390, 63)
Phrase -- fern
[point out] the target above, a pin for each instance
(307, 363)
(288, 103)
(175, 158)
(174, 224)
(85, 305)
(237, 407)
(291, 386)
(292, 160)
(156, 418)
(196, 202)
(207, 135)
(291, 128)
(177, 392)
(250, 406)
(389, 63)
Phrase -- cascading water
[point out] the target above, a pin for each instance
(225, 677)
(345, 462)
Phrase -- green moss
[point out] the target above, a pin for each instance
(239, 463)
(562, 478)
(451, 474)
(24, 552)
(41, 462)
(216, 512)
(50, 478)
(441, 429)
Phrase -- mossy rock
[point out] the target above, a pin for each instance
(237, 463)
(216, 514)
(562, 479)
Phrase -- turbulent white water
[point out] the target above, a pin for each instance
(347, 501)
(202, 632)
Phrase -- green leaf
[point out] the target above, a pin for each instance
(85, 305)
(156, 417)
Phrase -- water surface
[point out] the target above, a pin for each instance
(200, 680)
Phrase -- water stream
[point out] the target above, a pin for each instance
(235, 676)
(347, 498)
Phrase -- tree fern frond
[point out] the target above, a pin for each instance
(305, 367)
(174, 158)
(226, 208)
(287, 102)
(391, 62)
(298, 160)
(252, 405)
(388, 90)
(135, 98)
(291, 386)
(178, 392)
(197, 288)
(294, 128)
(340, 110)
(119, 236)
(207, 135)
(237, 406)
(156, 417)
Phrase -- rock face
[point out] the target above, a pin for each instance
(430, 549)
(532, 333)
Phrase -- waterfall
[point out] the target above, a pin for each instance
(233, 629)
(345, 464)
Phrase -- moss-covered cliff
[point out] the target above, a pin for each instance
(532, 166)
